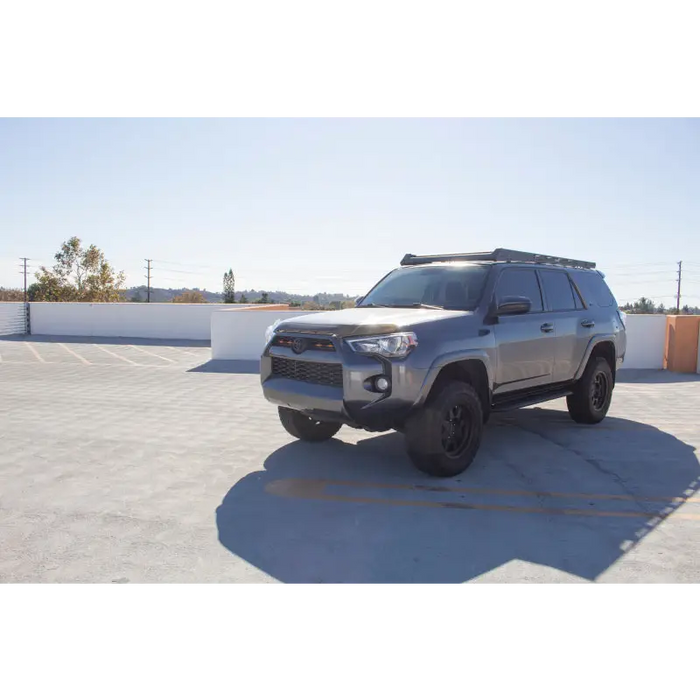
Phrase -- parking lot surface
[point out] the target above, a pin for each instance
(141, 461)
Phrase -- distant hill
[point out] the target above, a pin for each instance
(160, 294)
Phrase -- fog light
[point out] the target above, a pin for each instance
(382, 383)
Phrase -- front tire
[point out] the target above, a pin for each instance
(306, 428)
(592, 396)
(443, 438)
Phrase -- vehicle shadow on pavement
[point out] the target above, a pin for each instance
(572, 498)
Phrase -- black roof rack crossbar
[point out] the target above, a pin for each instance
(497, 255)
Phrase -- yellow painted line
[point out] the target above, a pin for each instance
(119, 357)
(513, 492)
(152, 354)
(75, 354)
(35, 353)
(315, 489)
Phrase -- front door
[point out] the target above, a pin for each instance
(525, 342)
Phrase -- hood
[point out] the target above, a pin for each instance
(364, 321)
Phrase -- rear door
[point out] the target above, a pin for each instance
(525, 343)
(572, 329)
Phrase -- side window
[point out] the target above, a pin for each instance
(558, 291)
(516, 282)
(577, 297)
(594, 290)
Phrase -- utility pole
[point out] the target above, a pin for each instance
(148, 277)
(24, 260)
(678, 295)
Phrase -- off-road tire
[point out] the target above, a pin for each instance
(304, 428)
(428, 436)
(593, 393)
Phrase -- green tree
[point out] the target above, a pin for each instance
(80, 274)
(243, 299)
(229, 287)
(264, 299)
(644, 306)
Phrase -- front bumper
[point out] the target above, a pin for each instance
(352, 403)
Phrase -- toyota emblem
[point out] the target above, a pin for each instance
(298, 345)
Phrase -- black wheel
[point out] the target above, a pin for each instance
(592, 396)
(305, 428)
(443, 438)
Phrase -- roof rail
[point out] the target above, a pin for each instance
(497, 255)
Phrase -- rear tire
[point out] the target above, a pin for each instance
(592, 396)
(305, 428)
(443, 438)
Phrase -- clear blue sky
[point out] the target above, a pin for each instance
(330, 205)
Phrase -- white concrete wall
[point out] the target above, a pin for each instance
(127, 320)
(240, 335)
(646, 338)
(12, 318)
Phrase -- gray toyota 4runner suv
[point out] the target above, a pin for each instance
(441, 342)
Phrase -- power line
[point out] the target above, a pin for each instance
(638, 274)
(180, 272)
(189, 265)
(630, 265)
(659, 280)
(678, 295)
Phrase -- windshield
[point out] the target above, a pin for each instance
(456, 287)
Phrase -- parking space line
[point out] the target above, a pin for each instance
(179, 349)
(314, 489)
(75, 354)
(152, 354)
(119, 357)
(35, 353)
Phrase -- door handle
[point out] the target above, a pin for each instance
(588, 323)
(547, 327)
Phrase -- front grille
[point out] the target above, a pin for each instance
(286, 341)
(330, 374)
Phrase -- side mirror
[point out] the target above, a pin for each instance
(512, 306)
(358, 301)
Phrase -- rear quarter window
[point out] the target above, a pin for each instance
(594, 289)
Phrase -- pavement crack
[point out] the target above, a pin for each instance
(596, 464)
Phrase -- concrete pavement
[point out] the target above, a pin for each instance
(132, 461)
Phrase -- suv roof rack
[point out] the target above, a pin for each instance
(497, 255)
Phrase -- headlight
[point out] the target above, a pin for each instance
(271, 330)
(394, 345)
